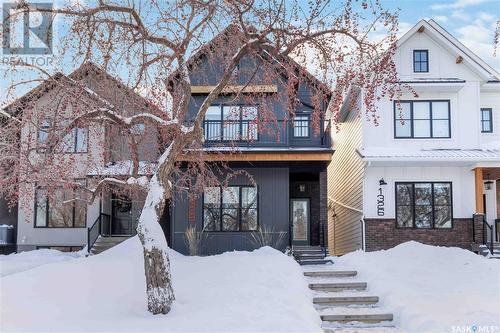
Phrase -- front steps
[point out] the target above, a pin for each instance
(310, 255)
(344, 305)
(105, 243)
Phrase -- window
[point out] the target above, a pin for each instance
(64, 208)
(422, 119)
(424, 205)
(233, 208)
(301, 126)
(73, 142)
(420, 61)
(486, 120)
(231, 123)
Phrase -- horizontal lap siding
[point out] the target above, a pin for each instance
(345, 188)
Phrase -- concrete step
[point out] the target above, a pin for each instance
(112, 239)
(338, 286)
(346, 300)
(366, 328)
(315, 262)
(331, 273)
(309, 256)
(371, 318)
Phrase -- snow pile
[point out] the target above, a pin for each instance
(431, 289)
(15, 263)
(259, 291)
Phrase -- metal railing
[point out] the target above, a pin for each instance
(497, 229)
(486, 227)
(278, 133)
(323, 239)
(103, 221)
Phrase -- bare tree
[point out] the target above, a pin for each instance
(160, 44)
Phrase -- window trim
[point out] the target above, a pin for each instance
(37, 187)
(490, 111)
(420, 61)
(240, 121)
(413, 227)
(239, 210)
(412, 134)
(308, 115)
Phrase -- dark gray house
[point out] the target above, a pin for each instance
(286, 155)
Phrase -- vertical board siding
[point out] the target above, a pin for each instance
(345, 188)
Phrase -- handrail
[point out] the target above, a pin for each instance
(95, 226)
(323, 243)
(497, 229)
(485, 237)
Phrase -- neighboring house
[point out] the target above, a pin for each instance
(62, 223)
(287, 161)
(431, 163)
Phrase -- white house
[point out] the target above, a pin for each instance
(431, 163)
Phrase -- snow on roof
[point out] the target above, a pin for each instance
(123, 168)
(434, 80)
(473, 155)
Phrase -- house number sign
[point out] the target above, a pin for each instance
(380, 202)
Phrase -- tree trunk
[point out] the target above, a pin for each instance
(156, 262)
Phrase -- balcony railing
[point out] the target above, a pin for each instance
(264, 134)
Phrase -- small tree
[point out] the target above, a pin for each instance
(158, 42)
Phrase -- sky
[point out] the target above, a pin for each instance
(471, 21)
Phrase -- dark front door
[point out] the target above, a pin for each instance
(300, 214)
(121, 216)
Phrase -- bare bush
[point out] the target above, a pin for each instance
(193, 240)
(267, 236)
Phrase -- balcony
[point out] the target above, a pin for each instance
(272, 134)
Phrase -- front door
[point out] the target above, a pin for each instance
(300, 221)
(121, 216)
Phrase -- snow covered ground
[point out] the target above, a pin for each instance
(259, 291)
(15, 263)
(432, 289)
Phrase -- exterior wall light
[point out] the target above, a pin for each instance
(302, 187)
(488, 184)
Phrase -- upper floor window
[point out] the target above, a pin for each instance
(420, 61)
(234, 208)
(422, 119)
(231, 123)
(75, 141)
(64, 208)
(301, 126)
(424, 205)
(486, 120)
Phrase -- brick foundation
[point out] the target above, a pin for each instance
(382, 234)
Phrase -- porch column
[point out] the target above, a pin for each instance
(478, 173)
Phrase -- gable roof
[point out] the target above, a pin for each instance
(448, 41)
(88, 68)
(230, 31)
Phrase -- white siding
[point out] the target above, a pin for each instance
(345, 188)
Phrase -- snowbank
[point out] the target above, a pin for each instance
(432, 289)
(259, 291)
(15, 263)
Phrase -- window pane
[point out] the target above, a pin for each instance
(43, 131)
(231, 130)
(211, 209)
(485, 114)
(421, 128)
(230, 219)
(404, 195)
(230, 197)
(248, 197)
(442, 194)
(301, 126)
(231, 113)
(423, 56)
(61, 208)
(248, 219)
(423, 67)
(81, 139)
(417, 56)
(440, 110)
(403, 128)
(213, 113)
(442, 216)
(404, 216)
(423, 216)
(423, 194)
(41, 211)
(486, 126)
(403, 110)
(421, 110)
(440, 128)
(249, 112)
